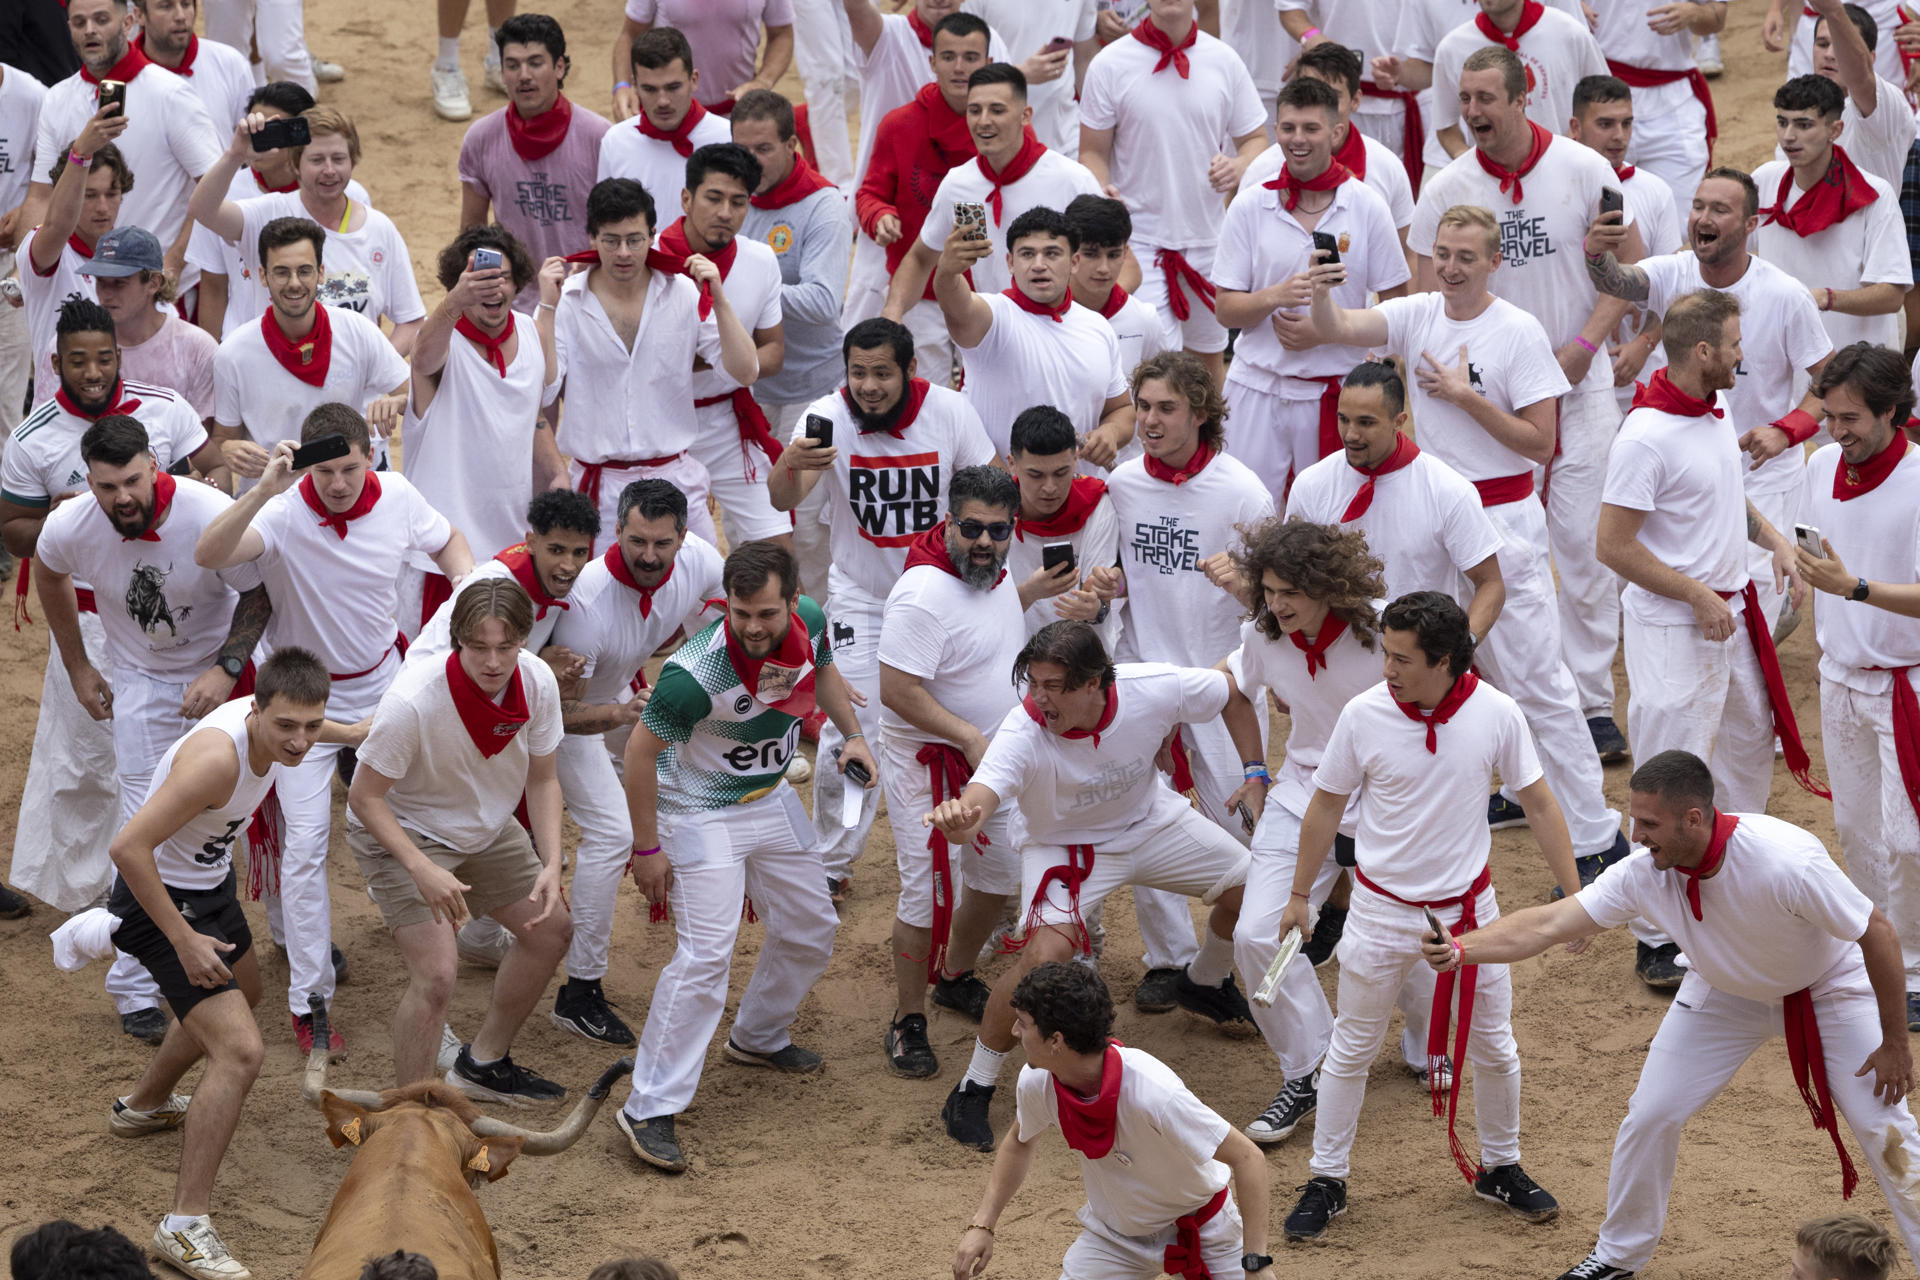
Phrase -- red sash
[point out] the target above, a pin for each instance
(1501, 490)
(1784, 726)
(1330, 388)
(1644, 78)
(590, 471)
(1906, 732)
(1403, 454)
(540, 136)
(1031, 149)
(1174, 266)
(681, 137)
(1809, 1062)
(947, 774)
(490, 725)
(1183, 1258)
(1412, 153)
(755, 431)
(1072, 874)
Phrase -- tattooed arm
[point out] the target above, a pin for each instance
(1617, 279)
(214, 686)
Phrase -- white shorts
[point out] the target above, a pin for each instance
(684, 473)
(737, 476)
(1190, 856)
(989, 865)
(1101, 1253)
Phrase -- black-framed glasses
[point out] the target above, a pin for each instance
(999, 530)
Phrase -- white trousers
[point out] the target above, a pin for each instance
(1879, 833)
(1381, 966)
(1188, 857)
(1101, 1253)
(1688, 693)
(1670, 139)
(763, 850)
(1704, 1038)
(811, 540)
(590, 783)
(853, 622)
(1200, 331)
(822, 44)
(277, 28)
(70, 801)
(1782, 509)
(685, 473)
(1589, 591)
(16, 357)
(1388, 128)
(1277, 436)
(737, 474)
(991, 864)
(1300, 1022)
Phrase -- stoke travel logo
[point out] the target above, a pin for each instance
(1523, 239)
(1165, 545)
(894, 498)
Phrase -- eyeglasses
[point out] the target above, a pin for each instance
(633, 243)
(999, 530)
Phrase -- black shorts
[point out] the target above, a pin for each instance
(214, 912)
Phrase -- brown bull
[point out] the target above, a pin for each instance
(423, 1151)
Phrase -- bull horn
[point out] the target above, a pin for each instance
(315, 1080)
(554, 1141)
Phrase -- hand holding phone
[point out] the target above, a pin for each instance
(1058, 43)
(277, 135)
(820, 430)
(325, 449)
(1807, 536)
(113, 93)
(1055, 554)
(1433, 924)
(971, 216)
(488, 260)
(1611, 201)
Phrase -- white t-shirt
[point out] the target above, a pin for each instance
(1779, 916)
(1877, 536)
(1102, 788)
(1543, 268)
(1025, 359)
(252, 390)
(1095, 543)
(41, 296)
(1313, 702)
(1781, 337)
(959, 641)
(435, 640)
(164, 615)
(442, 786)
(1422, 25)
(1166, 132)
(1425, 523)
(1422, 832)
(1141, 333)
(1556, 53)
(604, 624)
(752, 287)
(896, 68)
(179, 357)
(1052, 183)
(1027, 27)
(367, 271)
(1251, 29)
(199, 855)
(222, 78)
(1877, 143)
(209, 253)
(1869, 247)
(1623, 30)
(1161, 1166)
(629, 403)
(1386, 175)
(1509, 362)
(21, 97)
(1685, 474)
(1262, 244)
(1651, 200)
(42, 460)
(626, 152)
(1367, 29)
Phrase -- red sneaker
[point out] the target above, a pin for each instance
(303, 1033)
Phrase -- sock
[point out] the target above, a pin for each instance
(1214, 964)
(181, 1221)
(493, 49)
(479, 1061)
(449, 59)
(984, 1070)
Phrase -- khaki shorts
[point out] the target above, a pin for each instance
(499, 875)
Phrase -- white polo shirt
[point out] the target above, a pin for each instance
(368, 270)
(199, 855)
(1386, 175)
(1877, 536)
(626, 403)
(41, 295)
(1556, 53)
(1313, 702)
(1052, 183)
(435, 640)
(42, 459)
(752, 287)
(603, 622)
(959, 641)
(625, 152)
(1025, 359)
(1869, 247)
(252, 390)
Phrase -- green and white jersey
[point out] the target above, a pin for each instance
(724, 747)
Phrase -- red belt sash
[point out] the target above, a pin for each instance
(590, 471)
(1184, 1257)
(1414, 140)
(1182, 772)
(947, 774)
(1809, 1062)
(755, 431)
(1501, 490)
(1469, 975)
(1785, 727)
(399, 642)
(1906, 732)
(1646, 78)
(1072, 873)
(1329, 413)
(1174, 266)
(83, 595)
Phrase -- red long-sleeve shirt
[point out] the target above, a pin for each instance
(912, 150)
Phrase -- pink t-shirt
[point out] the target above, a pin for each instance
(179, 357)
(725, 35)
(542, 202)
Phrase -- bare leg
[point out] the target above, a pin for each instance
(181, 1049)
(909, 974)
(224, 1025)
(1044, 944)
(1216, 361)
(1226, 913)
(524, 974)
(1341, 895)
(973, 922)
(431, 959)
(453, 16)
(498, 11)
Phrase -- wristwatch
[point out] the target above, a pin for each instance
(1859, 591)
(1253, 1262)
(233, 666)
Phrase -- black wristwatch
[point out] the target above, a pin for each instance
(1859, 591)
(233, 666)
(1253, 1262)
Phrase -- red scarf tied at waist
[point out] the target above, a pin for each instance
(339, 520)
(1510, 178)
(756, 432)
(1031, 149)
(1906, 732)
(682, 136)
(590, 472)
(1332, 628)
(536, 137)
(947, 772)
(1456, 697)
(1530, 14)
(1412, 154)
(1647, 78)
(1083, 495)
(1184, 1258)
(1839, 193)
(490, 725)
(1404, 452)
(1291, 187)
(1174, 266)
(1171, 54)
(1784, 725)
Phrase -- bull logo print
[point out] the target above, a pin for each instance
(147, 600)
(842, 635)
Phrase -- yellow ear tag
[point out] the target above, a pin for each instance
(480, 1163)
(351, 1131)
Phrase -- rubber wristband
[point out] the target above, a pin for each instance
(1309, 34)
(1581, 338)
(644, 853)
(623, 84)
(546, 306)
(1459, 953)
(851, 736)
(74, 157)
(1829, 305)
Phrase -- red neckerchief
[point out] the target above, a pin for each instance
(79, 246)
(921, 31)
(339, 520)
(916, 396)
(671, 255)
(801, 181)
(1331, 628)
(1510, 179)
(186, 63)
(930, 547)
(519, 562)
(1083, 495)
(1056, 313)
(1835, 197)
(1624, 172)
(1162, 43)
(945, 128)
(1658, 392)
(682, 137)
(1351, 154)
(1462, 690)
(1723, 825)
(617, 566)
(307, 360)
(116, 403)
(1106, 717)
(490, 725)
(131, 64)
(490, 344)
(1031, 149)
(1404, 452)
(1529, 15)
(1850, 482)
(163, 487)
(1116, 299)
(293, 184)
(1159, 470)
(1291, 187)
(1090, 1125)
(791, 666)
(543, 134)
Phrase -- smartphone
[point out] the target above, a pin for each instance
(113, 93)
(971, 216)
(1322, 240)
(1247, 823)
(1808, 536)
(1433, 923)
(855, 770)
(1055, 554)
(820, 429)
(277, 135)
(488, 260)
(1056, 44)
(1611, 201)
(325, 449)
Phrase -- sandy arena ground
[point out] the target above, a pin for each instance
(848, 1173)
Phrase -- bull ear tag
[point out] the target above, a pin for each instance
(480, 1163)
(351, 1131)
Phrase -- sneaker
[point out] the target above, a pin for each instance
(1706, 56)
(965, 1115)
(1913, 1010)
(1503, 813)
(324, 71)
(1294, 1103)
(581, 1007)
(149, 1025)
(1608, 742)
(303, 1035)
(1591, 1268)
(450, 93)
(1327, 931)
(1424, 1073)
(128, 1123)
(1659, 966)
(196, 1249)
(13, 906)
(963, 993)
(1222, 1004)
(838, 887)
(1321, 1201)
(1155, 992)
(450, 1046)
(1588, 866)
(6, 564)
(339, 958)
(793, 1060)
(1509, 1185)
(490, 73)
(503, 1081)
(653, 1141)
(908, 1052)
(483, 942)
(799, 769)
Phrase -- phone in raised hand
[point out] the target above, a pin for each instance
(488, 260)
(1807, 537)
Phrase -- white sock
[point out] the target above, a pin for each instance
(181, 1221)
(984, 1070)
(481, 1062)
(449, 59)
(493, 49)
(1214, 964)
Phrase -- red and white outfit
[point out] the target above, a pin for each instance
(629, 410)
(1772, 942)
(1065, 356)
(1844, 233)
(1544, 210)
(1652, 204)
(1087, 523)
(207, 252)
(435, 640)
(658, 160)
(1421, 840)
(332, 579)
(1285, 403)
(20, 99)
(219, 76)
(885, 488)
(1371, 30)
(41, 294)
(1027, 28)
(1036, 178)
(1887, 62)
(1556, 51)
(367, 270)
(616, 626)
(1674, 125)
(267, 383)
(1171, 113)
(1365, 158)
(1869, 731)
(1878, 143)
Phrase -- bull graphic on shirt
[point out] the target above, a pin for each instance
(147, 600)
(1473, 378)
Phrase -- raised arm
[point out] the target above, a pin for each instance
(69, 192)
(866, 24)
(209, 205)
(230, 539)
(967, 313)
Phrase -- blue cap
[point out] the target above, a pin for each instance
(124, 251)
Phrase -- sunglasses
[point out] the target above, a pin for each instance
(999, 530)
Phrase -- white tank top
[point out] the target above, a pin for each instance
(200, 854)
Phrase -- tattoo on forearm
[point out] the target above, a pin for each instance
(588, 717)
(1753, 524)
(250, 615)
(1617, 279)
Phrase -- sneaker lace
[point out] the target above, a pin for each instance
(1588, 1268)
(206, 1240)
(1316, 1197)
(1290, 1094)
(1516, 1179)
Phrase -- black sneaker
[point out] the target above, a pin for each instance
(1223, 1004)
(13, 906)
(345, 761)
(1155, 992)
(339, 958)
(503, 1081)
(1588, 866)
(1658, 967)
(1294, 1103)
(908, 1053)
(1591, 1268)
(964, 994)
(1509, 1185)
(148, 1025)
(838, 887)
(1503, 813)
(965, 1114)
(1913, 1010)
(1321, 1201)
(1326, 935)
(581, 1008)
(793, 1060)
(653, 1141)
(1608, 742)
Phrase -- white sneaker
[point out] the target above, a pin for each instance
(128, 1123)
(1706, 56)
(450, 1046)
(799, 769)
(324, 71)
(483, 942)
(490, 73)
(198, 1252)
(450, 93)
